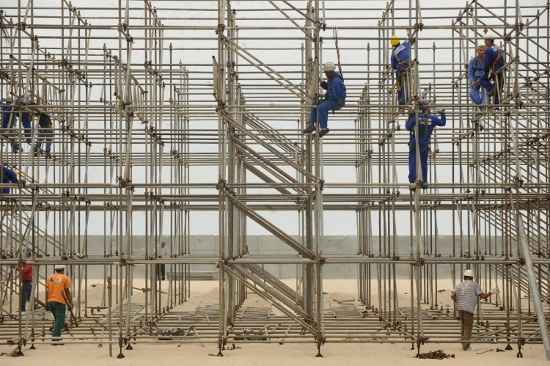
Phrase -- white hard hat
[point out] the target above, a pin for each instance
(468, 273)
(329, 66)
(58, 267)
(490, 36)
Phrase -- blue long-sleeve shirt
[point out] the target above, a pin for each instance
(426, 126)
(336, 90)
(476, 69)
(8, 176)
(494, 58)
(401, 56)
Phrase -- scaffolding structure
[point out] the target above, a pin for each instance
(163, 110)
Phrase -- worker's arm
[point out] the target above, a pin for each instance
(410, 122)
(471, 71)
(439, 121)
(485, 295)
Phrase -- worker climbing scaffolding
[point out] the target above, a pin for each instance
(11, 113)
(426, 125)
(400, 64)
(494, 67)
(335, 99)
(480, 86)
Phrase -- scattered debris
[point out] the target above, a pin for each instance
(435, 355)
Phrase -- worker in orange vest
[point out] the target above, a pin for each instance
(58, 298)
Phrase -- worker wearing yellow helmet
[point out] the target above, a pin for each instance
(400, 63)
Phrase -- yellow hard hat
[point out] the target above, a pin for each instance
(394, 40)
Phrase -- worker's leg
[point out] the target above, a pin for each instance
(468, 321)
(163, 272)
(59, 315)
(412, 164)
(499, 87)
(461, 318)
(402, 88)
(475, 95)
(487, 85)
(26, 289)
(322, 113)
(424, 152)
(48, 136)
(313, 116)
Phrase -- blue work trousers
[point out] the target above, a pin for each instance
(26, 290)
(320, 112)
(402, 84)
(424, 150)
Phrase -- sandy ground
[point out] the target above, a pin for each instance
(266, 355)
(205, 293)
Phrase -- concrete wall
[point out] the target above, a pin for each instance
(269, 245)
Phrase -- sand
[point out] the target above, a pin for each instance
(205, 293)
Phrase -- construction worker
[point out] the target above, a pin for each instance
(426, 125)
(45, 135)
(58, 298)
(480, 86)
(400, 64)
(161, 267)
(465, 297)
(335, 99)
(7, 176)
(25, 271)
(10, 116)
(494, 66)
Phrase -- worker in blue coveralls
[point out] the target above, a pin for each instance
(7, 176)
(10, 115)
(480, 86)
(400, 63)
(427, 123)
(45, 135)
(494, 66)
(335, 99)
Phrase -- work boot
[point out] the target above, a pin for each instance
(412, 186)
(323, 132)
(309, 129)
(57, 341)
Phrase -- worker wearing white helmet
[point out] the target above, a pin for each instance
(335, 99)
(465, 296)
(58, 298)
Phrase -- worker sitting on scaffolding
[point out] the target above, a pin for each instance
(427, 123)
(400, 64)
(480, 86)
(494, 66)
(10, 114)
(335, 99)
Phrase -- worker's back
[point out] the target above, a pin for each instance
(56, 285)
(467, 293)
(336, 90)
(401, 56)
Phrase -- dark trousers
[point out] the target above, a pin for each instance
(45, 135)
(26, 290)
(161, 271)
(58, 310)
(466, 324)
(402, 87)
(424, 151)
